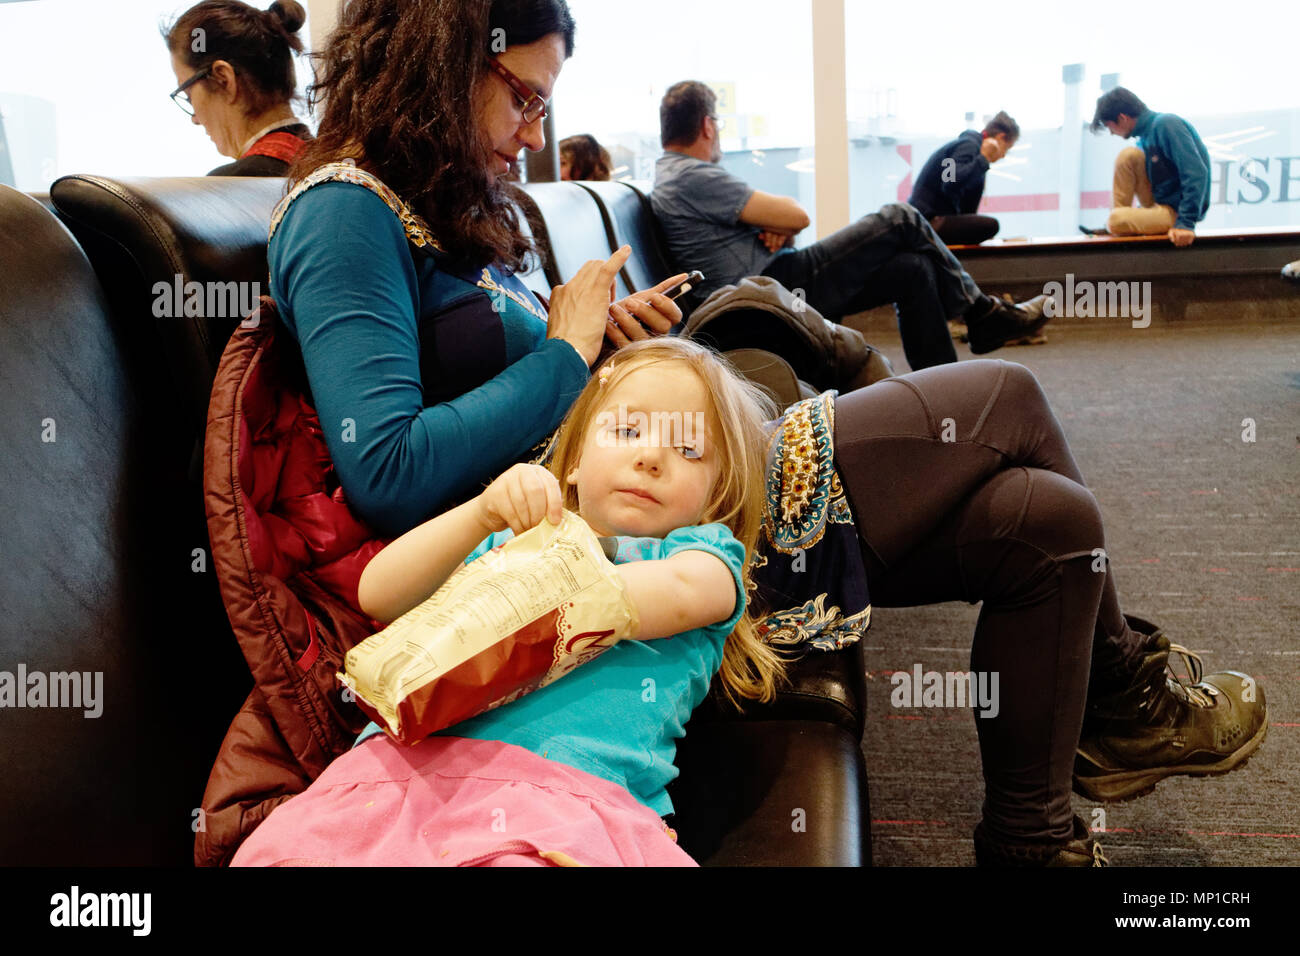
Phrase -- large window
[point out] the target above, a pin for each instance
(757, 55)
(916, 81)
(84, 83)
(83, 89)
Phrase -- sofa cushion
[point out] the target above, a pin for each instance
(572, 228)
(632, 222)
(103, 580)
(140, 232)
(771, 793)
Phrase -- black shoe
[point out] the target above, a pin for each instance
(1080, 850)
(1161, 726)
(1103, 231)
(993, 323)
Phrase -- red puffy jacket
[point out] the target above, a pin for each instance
(288, 554)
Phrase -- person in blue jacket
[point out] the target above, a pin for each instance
(951, 183)
(1168, 172)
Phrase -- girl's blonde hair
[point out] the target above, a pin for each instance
(750, 668)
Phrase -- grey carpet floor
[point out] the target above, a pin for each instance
(1203, 530)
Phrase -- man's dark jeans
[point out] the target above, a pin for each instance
(889, 256)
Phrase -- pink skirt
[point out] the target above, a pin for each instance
(453, 801)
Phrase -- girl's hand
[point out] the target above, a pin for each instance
(580, 308)
(520, 499)
(644, 314)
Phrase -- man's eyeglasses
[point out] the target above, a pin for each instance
(531, 103)
(179, 95)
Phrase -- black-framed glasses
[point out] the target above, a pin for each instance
(179, 95)
(531, 104)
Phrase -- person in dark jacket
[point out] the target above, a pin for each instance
(951, 183)
(235, 76)
(1168, 172)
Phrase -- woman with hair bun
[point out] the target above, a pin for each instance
(234, 67)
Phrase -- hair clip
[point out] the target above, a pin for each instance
(606, 371)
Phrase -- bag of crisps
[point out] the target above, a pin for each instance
(518, 618)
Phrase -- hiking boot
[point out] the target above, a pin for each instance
(1080, 850)
(1162, 725)
(991, 325)
(957, 329)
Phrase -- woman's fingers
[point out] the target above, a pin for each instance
(666, 284)
(625, 324)
(655, 310)
(600, 274)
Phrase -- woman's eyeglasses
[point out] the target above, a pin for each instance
(531, 103)
(179, 95)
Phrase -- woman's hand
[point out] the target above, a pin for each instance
(649, 309)
(580, 308)
(520, 499)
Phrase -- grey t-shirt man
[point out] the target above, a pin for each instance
(698, 204)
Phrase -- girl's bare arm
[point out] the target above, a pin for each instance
(688, 590)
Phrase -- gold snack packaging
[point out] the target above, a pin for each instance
(516, 619)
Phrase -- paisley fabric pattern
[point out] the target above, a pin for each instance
(417, 230)
(809, 569)
(496, 289)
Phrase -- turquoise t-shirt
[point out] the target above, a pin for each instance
(619, 716)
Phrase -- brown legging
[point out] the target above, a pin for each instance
(964, 489)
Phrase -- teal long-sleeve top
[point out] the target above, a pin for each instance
(428, 382)
(1178, 165)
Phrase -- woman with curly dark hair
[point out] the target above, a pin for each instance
(582, 157)
(393, 258)
(235, 76)
(433, 369)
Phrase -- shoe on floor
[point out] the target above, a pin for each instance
(957, 329)
(1292, 271)
(1081, 849)
(1161, 725)
(994, 322)
(1032, 307)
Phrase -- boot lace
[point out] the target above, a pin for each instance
(1188, 690)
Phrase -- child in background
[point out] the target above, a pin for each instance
(664, 449)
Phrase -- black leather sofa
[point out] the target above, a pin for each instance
(106, 546)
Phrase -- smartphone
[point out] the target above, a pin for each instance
(692, 281)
